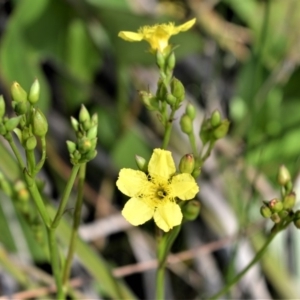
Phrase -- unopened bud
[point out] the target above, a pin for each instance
(160, 60)
(275, 205)
(31, 143)
(84, 145)
(190, 111)
(17, 93)
(141, 163)
(34, 93)
(90, 155)
(289, 201)
(221, 130)
(297, 219)
(92, 132)
(191, 210)
(12, 123)
(284, 176)
(84, 115)
(171, 100)
(39, 123)
(20, 108)
(177, 89)
(171, 61)
(186, 124)
(265, 211)
(187, 164)
(149, 100)
(215, 119)
(275, 218)
(71, 147)
(75, 124)
(2, 107)
(196, 173)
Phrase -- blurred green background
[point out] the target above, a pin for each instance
(242, 57)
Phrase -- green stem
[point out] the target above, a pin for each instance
(65, 196)
(54, 257)
(15, 150)
(76, 223)
(163, 250)
(168, 130)
(193, 143)
(43, 158)
(257, 257)
(30, 162)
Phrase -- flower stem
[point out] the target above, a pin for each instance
(65, 196)
(257, 257)
(168, 130)
(15, 150)
(76, 222)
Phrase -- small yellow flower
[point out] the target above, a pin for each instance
(157, 36)
(155, 195)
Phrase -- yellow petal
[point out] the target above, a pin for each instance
(161, 164)
(130, 36)
(137, 212)
(131, 182)
(168, 215)
(184, 27)
(184, 186)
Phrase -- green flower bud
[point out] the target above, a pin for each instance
(160, 60)
(177, 89)
(265, 211)
(161, 90)
(171, 100)
(21, 190)
(71, 147)
(34, 93)
(94, 119)
(215, 119)
(187, 164)
(275, 218)
(275, 205)
(297, 219)
(171, 61)
(3, 130)
(191, 210)
(84, 145)
(205, 131)
(284, 176)
(196, 173)
(2, 107)
(90, 155)
(190, 111)
(289, 201)
(186, 124)
(39, 123)
(75, 124)
(12, 123)
(20, 108)
(31, 143)
(92, 132)
(86, 125)
(149, 100)
(17, 93)
(221, 130)
(84, 115)
(141, 163)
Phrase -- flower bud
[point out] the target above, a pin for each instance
(275, 205)
(297, 219)
(171, 61)
(84, 145)
(12, 123)
(3, 130)
(2, 107)
(196, 172)
(190, 111)
(94, 119)
(84, 115)
(161, 90)
(34, 93)
(177, 89)
(284, 176)
(265, 211)
(186, 124)
(21, 190)
(187, 164)
(275, 218)
(71, 147)
(17, 93)
(191, 210)
(75, 124)
(92, 132)
(20, 108)
(141, 163)
(221, 130)
(215, 119)
(160, 60)
(31, 143)
(205, 131)
(90, 155)
(39, 123)
(289, 201)
(171, 100)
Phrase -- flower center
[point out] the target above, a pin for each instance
(161, 193)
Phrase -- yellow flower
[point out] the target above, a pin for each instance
(157, 36)
(154, 195)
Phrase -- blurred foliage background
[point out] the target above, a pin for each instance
(242, 57)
